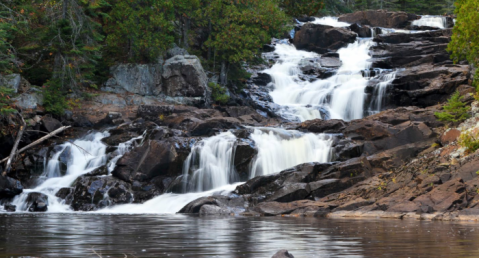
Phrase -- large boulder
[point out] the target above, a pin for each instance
(184, 77)
(322, 38)
(142, 79)
(37, 202)
(29, 100)
(94, 192)
(9, 187)
(154, 158)
(379, 18)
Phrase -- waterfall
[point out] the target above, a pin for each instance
(280, 149)
(331, 21)
(341, 96)
(380, 91)
(122, 149)
(431, 21)
(81, 156)
(210, 163)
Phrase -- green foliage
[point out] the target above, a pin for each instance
(469, 140)
(218, 93)
(455, 110)
(54, 99)
(434, 7)
(138, 31)
(296, 8)
(240, 28)
(464, 44)
(5, 102)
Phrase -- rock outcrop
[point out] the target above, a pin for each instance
(322, 38)
(184, 76)
(379, 18)
(141, 79)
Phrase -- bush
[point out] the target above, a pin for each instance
(54, 99)
(218, 93)
(469, 140)
(5, 101)
(454, 111)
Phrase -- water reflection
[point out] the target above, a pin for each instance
(78, 235)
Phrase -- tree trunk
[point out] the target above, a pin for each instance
(13, 153)
(224, 73)
(65, 9)
(209, 35)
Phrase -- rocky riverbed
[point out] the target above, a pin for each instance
(371, 146)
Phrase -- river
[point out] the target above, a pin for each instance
(81, 235)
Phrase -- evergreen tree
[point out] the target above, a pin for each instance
(239, 28)
(465, 39)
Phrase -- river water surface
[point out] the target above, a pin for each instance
(81, 235)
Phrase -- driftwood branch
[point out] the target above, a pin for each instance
(46, 137)
(13, 153)
(70, 142)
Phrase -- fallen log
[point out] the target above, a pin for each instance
(15, 147)
(46, 137)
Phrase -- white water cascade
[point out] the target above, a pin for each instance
(281, 149)
(342, 95)
(380, 92)
(81, 157)
(431, 21)
(211, 164)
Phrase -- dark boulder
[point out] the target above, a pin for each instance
(50, 124)
(81, 121)
(183, 76)
(9, 187)
(323, 126)
(92, 193)
(244, 154)
(154, 158)
(283, 254)
(37, 202)
(10, 208)
(322, 38)
(215, 205)
(362, 31)
(379, 18)
(261, 79)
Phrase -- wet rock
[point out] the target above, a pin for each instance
(210, 126)
(379, 18)
(323, 126)
(152, 159)
(50, 124)
(244, 155)
(92, 193)
(81, 121)
(10, 208)
(184, 76)
(330, 62)
(37, 202)
(362, 31)
(215, 205)
(278, 208)
(322, 38)
(262, 79)
(9, 187)
(305, 19)
(142, 79)
(283, 254)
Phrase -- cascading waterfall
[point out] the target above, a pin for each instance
(81, 157)
(211, 164)
(281, 149)
(380, 91)
(341, 96)
(331, 21)
(431, 21)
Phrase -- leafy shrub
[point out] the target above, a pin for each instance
(218, 93)
(454, 111)
(469, 140)
(5, 101)
(54, 99)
